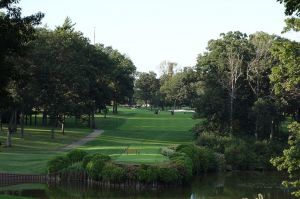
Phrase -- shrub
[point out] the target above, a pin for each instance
(214, 141)
(240, 156)
(95, 165)
(169, 175)
(76, 167)
(76, 155)
(113, 173)
(192, 152)
(166, 151)
(147, 174)
(87, 159)
(220, 161)
(70, 170)
(264, 151)
(203, 158)
(207, 159)
(131, 172)
(183, 164)
(58, 163)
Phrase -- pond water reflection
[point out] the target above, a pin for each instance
(230, 185)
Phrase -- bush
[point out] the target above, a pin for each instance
(87, 159)
(266, 150)
(76, 155)
(58, 163)
(240, 156)
(169, 175)
(147, 174)
(95, 165)
(113, 173)
(192, 152)
(203, 158)
(76, 167)
(166, 151)
(214, 141)
(220, 161)
(207, 160)
(183, 164)
(130, 172)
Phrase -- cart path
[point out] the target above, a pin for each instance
(84, 140)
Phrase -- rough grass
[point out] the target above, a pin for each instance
(136, 136)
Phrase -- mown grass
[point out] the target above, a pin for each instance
(140, 131)
(137, 136)
(12, 197)
(30, 154)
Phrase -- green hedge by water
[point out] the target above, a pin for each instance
(185, 161)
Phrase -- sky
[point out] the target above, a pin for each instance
(151, 31)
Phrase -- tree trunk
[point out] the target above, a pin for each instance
(15, 128)
(30, 119)
(1, 127)
(256, 130)
(52, 122)
(22, 124)
(272, 130)
(63, 125)
(44, 119)
(115, 107)
(10, 129)
(174, 106)
(52, 132)
(26, 119)
(89, 121)
(8, 141)
(35, 119)
(231, 112)
(93, 124)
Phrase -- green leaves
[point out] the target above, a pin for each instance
(290, 161)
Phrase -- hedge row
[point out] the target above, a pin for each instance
(185, 161)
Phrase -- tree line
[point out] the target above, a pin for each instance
(56, 72)
(173, 89)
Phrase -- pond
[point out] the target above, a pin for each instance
(230, 185)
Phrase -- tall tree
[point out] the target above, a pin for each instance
(148, 87)
(15, 33)
(122, 78)
(285, 76)
(224, 67)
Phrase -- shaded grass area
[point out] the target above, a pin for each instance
(136, 136)
(30, 154)
(12, 197)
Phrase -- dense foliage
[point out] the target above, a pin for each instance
(57, 73)
(185, 162)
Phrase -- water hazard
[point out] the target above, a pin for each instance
(230, 185)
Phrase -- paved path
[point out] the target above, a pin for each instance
(84, 140)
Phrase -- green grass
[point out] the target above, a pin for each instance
(143, 132)
(12, 197)
(30, 154)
